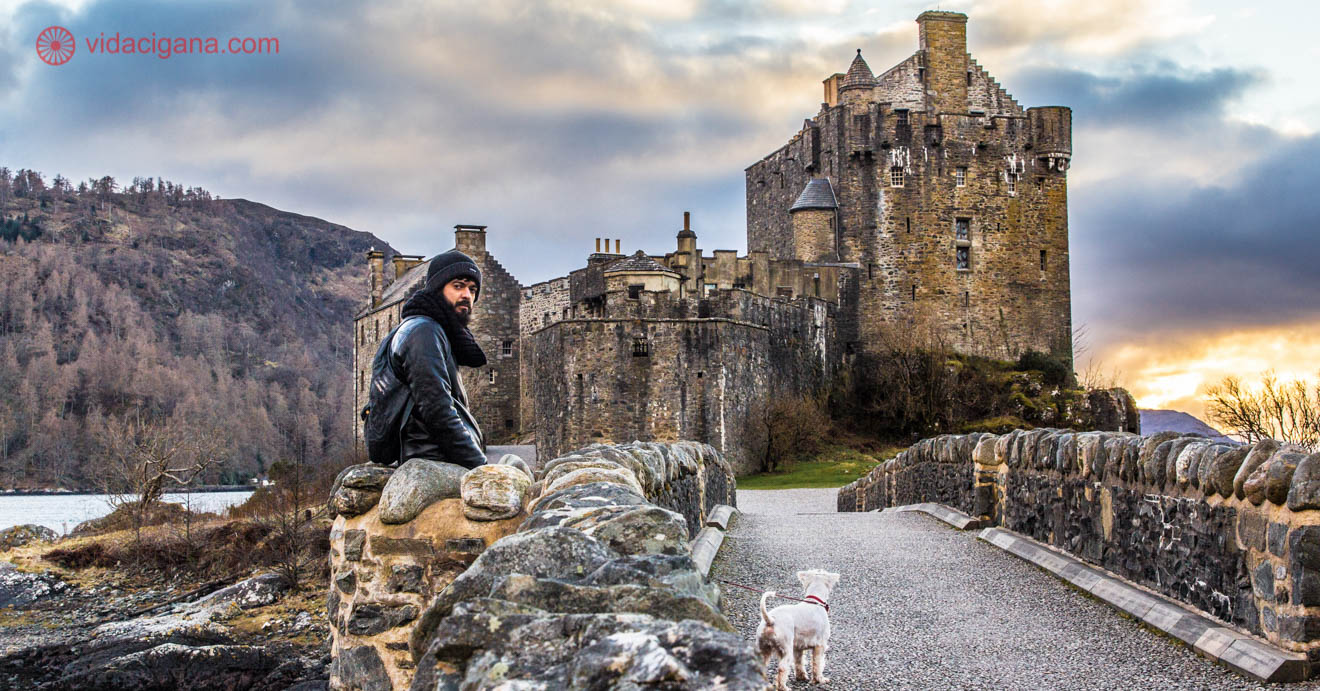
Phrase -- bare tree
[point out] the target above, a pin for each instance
(794, 428)
(145, 457)
(1287, 411)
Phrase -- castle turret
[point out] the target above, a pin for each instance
(858, 85)
(1051, 135)
(813, 217)
(375, 275)
(943, 43)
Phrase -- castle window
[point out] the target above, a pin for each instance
(635, 292)
(545, 319)
(1040, 184)
(508, 424)
(641, 347)
(960, 176)
(914, 292)
(362, 379)
(908, 219)
(964, 258)
(784, 292)
(490, 376)
(1042, 260)
(902, 116)
(896, 177)
(376, 329)
(709, 288)
(362, 334)
(1012, 184)
(962, 229)
(969, 79)
(700, 375)
(506, 348)
(921, 74)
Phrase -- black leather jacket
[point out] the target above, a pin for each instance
(440, 427)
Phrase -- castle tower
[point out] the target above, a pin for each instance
(943, 46)
(951, 200)
(813, 218)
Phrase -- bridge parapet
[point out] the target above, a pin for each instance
(1233, 530)
(576, 576)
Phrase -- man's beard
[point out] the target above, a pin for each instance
(462, 317)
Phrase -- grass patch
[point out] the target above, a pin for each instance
(834, 466)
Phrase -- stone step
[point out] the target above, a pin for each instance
(1239, 651)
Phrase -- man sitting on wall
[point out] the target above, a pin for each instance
(431, 342)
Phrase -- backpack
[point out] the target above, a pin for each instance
(389, 405)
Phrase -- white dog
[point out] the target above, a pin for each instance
(789, 631)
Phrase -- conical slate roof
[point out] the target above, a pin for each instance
(636, 263)
(818, 194)
(859, 74)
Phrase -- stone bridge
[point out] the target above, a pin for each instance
(591, 572)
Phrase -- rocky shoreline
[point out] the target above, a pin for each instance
(255, 634)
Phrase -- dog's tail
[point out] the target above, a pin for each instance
(765, 616)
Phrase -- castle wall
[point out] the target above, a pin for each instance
(658, 372)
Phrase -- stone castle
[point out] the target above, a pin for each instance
(924, 197)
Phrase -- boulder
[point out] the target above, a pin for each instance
(582, 476)
(417, 484)
(1182, 463)
(516, 461)
(174, 665)
(357, 488)
(20, 535)
(1279, 474)
(257, 591)
(494, 492)
(1256, 457)
(20, 589)
(643, 530)
(1305, 490)
(1221, 471)
(554, 595)
(551, 552)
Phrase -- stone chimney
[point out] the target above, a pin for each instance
(943, 45)
(470, 240)
(404, 263)
(376, 275)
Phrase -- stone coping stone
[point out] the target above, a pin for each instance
(707, 543)
(948, 514)
(1239, 651)
(719, 517)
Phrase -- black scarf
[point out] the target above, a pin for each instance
(431, 304)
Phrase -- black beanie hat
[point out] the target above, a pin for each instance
(449, 265)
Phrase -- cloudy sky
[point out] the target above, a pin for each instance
(1194, 211)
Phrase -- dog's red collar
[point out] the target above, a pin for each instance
(822, 603)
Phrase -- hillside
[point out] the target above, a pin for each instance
(1155, 421)
(161, 303)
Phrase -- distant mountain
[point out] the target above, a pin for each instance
(158, 301)
(1155, 421)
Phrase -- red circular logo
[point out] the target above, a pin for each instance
(55, 45)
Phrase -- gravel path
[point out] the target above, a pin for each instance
(921, 605)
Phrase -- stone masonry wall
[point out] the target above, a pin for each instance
(447, 578)
(644, 376)
(1231, 530)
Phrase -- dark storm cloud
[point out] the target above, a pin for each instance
(1166, 254)
(1169, 96)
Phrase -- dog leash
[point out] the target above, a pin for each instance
(811, 599)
